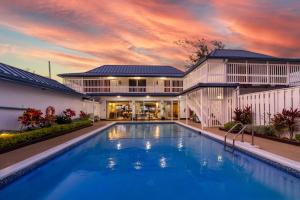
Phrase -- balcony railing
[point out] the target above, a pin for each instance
(245, 73)
(128, 89)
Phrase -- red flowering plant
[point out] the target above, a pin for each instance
(69, 113)
(66, 116)
(49, 116)
(83, 115)
(31, 118)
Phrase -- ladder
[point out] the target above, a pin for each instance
(241, 132)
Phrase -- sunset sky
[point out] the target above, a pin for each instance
(80, 35)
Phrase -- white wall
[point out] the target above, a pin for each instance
(19, 96)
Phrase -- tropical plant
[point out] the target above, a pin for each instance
(69, 113)
(286, 120)
(290, 119)
(31, 118)
(49, 118)
(83, 115)
(243, 115)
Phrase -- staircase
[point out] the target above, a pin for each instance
(208, 112)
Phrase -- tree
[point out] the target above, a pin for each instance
(199, 48)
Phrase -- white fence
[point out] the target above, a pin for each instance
(266, 104)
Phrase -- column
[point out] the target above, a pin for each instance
(172, 110)
(133, 110)
(186, 110)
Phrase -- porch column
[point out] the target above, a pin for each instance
(93, 110)
(161, 108)
(186, 115)
(133, 110)
(172, 110)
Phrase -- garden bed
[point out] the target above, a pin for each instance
(277, 139)
(13, 141)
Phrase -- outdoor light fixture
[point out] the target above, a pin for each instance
(147, 96)
(118, 97)
(110, 77)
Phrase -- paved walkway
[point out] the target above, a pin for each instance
(23, 153)
(286, 150)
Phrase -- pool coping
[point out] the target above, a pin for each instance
(12, 172)
(285, 164)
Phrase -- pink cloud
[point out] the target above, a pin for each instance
(143, 32)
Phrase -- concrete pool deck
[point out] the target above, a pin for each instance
(282, 149)
(7, 159)
(15, 156)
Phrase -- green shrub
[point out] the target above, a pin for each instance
(229, 125)
(297, 137)
(28, 137)
(61, 119)
(265, 130)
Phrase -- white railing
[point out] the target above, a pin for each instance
(128, 89)
(263, 73)
(244, 73)
(208, 72)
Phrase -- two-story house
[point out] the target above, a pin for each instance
(210, 88)
(128, 92)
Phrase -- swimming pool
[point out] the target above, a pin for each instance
(153, 161)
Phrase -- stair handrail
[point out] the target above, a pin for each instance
(229, 132)
(241, 132)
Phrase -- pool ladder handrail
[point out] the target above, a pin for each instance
(241, 132)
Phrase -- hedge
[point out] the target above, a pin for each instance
(29, 137)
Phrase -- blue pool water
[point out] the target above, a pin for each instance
(153, 161)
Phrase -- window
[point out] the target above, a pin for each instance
(177, 86)
(96, 85)
(167, 84)
(137, 85)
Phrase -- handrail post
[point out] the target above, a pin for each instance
(243, 136)
(252, 136)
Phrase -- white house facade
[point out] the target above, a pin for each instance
(209, 90)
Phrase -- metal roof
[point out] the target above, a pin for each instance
(234, 53)
(130, 70)
(210, 85)
(14, 74)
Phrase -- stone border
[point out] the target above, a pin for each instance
(280, 162)
(9, 174)
(14, 171)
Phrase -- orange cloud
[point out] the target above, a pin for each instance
(143, 32)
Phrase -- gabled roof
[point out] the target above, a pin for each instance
(129, 70)
(17, 75)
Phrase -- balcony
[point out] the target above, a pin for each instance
(128, 89)
(244, 73)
